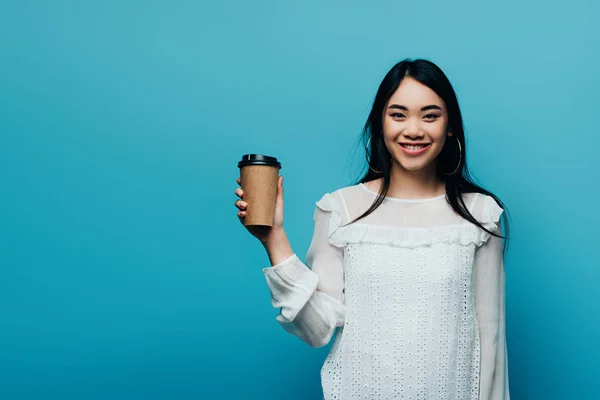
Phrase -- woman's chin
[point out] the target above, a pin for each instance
(411, 166)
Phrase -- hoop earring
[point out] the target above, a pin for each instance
(459, 158)
(368, 157)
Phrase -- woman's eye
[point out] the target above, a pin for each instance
(431, 116)
(397, 115)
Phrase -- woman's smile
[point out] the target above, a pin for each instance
(414, 149)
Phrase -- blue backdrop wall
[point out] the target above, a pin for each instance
(124, 272)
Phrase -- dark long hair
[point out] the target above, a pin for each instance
(379, 159)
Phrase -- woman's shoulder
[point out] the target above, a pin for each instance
(341, 193)
(343, 200)
(480, 199)
(483, 207)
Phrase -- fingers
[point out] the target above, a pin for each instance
(241, 205)
(239, 192)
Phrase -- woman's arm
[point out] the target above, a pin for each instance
(311, 295)
(490, 307)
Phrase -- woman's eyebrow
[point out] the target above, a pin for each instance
(425, 108)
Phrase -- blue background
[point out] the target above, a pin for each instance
(124, 272)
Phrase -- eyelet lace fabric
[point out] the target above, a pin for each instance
(403, 301)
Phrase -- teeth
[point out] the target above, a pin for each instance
(410, 147)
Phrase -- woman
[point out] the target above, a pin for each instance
(407, 264)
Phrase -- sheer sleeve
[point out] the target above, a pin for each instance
(311, 295)
(490, 307)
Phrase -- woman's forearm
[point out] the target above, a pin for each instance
(278, 246)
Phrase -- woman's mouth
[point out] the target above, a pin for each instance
(414, 149)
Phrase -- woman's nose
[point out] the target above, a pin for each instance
(413, 132)
(413, 129)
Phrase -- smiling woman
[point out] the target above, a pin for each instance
(407, 264)
(415, 134)
(416, 131)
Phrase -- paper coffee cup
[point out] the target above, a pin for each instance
(259, 175)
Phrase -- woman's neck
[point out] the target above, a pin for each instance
(419, 184)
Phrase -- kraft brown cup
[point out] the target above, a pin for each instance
(259, 176)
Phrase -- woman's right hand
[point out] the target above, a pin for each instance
(262, 233)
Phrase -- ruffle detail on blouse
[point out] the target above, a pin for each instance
(329, 204)
(464, 233)
(491, 216)
(491, 213)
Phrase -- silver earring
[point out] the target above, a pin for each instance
(369, 158)
(459, 158)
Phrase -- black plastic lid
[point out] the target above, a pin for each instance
(259, 159)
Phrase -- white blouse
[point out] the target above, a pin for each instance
(415, 292)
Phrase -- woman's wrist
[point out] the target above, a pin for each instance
(278, 246)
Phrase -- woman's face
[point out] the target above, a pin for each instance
(415, 125)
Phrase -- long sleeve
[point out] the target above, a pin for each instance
(490, 308)
(311, 295)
